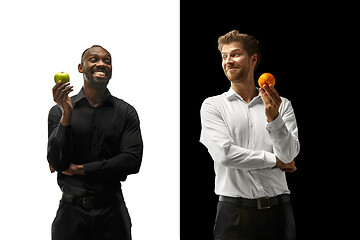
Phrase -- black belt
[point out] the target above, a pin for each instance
(91, 201)
(260, 203)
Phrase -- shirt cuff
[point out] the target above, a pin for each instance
(270, 160)
(91, 168)
(275, 125)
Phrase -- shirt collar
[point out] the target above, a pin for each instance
(232, 95)
(80, 97)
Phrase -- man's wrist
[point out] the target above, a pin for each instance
(74, 169)
(279, 163)
(270, 119)
(80, 169)
(66, 119)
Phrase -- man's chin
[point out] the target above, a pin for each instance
(236, 78)
(100, 79)
(99, 82)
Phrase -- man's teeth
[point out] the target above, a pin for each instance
(100, 73)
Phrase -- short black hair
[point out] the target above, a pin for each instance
(82, 55)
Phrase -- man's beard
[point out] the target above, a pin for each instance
(96, 83)
(239, 76)
(99, 85)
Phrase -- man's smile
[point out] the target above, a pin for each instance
(231, 68)
(102, 73)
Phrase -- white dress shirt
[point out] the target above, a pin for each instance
(243, 145)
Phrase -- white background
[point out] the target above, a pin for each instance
(40, 38)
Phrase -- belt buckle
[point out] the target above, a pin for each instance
(263, 203)
(88, 202)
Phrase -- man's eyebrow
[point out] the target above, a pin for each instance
(234, 50)
(96, 55)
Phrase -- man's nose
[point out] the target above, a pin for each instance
(100, 63)
(228, 59)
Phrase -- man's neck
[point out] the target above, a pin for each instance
(246, 89)
(94, 95)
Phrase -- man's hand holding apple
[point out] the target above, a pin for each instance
(61, 96)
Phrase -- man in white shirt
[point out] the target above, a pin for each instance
(252, 136)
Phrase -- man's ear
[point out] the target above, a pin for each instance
(80, 68)
(254, 59)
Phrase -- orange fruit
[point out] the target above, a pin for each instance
(266, 78)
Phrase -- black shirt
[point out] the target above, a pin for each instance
(105, 139)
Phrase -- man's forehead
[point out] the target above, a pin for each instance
(230, 47)
(97, 51)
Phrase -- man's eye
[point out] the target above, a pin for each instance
(236, 54)
(92, 60)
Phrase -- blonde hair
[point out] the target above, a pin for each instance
(250, 44)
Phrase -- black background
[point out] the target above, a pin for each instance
(307, 49)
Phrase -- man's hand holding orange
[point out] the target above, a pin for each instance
(272, 102)
(267, 79)
(269, 96)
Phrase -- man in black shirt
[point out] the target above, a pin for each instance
(94, 143)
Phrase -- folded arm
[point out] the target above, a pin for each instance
(129, 159)
(216, 136)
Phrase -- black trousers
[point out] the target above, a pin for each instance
(109, 222)
(249, 223)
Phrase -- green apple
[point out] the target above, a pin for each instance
(63, 76)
